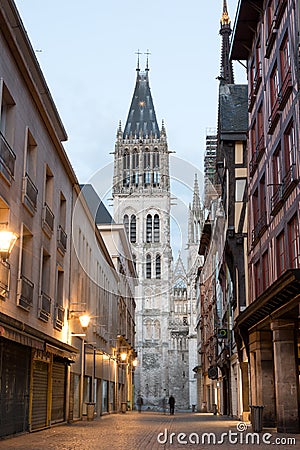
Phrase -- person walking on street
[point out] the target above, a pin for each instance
(172, 404)
(139, 403)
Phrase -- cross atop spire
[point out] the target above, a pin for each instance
(138, 59)
(147, 62)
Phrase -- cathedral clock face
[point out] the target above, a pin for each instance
(142, 104)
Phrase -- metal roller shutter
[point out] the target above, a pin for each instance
(39, 395)
(58, 392)
(14, 387)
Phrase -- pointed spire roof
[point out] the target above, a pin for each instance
(225, 20)
(196, 195)
(179, 267)
(141, 120)
(226, 73)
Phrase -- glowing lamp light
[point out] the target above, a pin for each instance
(84, 321)
(123, 356)
(7, 241)
(135, 362)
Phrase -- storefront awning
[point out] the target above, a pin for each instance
(62, 353)
(20, 337)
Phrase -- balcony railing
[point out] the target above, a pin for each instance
(290, 180)
(48, 220)
(4, 279)
(255, 86)
(59, 317)
(7, 159)
(30, 193)
(45, 307)
(274, 117)
(259, 228)
(286, 89)
(251, 100)
(276, 199)
(25, 293)
(257, 78)
(259, 151)
(281, 4)
(283, 190)
(271, 38)
(61, 240)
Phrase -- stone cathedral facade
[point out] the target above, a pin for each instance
(142, 201)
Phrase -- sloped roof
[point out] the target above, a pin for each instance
(95, 204)
(233, 104)
(141, 118)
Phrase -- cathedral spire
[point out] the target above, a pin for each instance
(226, 73)
(141, 120)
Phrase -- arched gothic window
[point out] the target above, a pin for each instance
(157, 329)
(149, 228)
(148, 266)
(147, 169)
(148, 329)
(135, 168)
(158, 267)
(134, 260)
(156, 228)
(156, 173)
(126, 223)
(133, 228)
(126, 169)
(155, 160)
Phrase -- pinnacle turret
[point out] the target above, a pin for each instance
(196, 195)
(226, 72)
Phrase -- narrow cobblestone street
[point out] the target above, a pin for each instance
(148, 431)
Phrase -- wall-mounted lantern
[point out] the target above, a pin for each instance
(7, 241)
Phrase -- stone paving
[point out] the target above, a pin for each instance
(149, 431)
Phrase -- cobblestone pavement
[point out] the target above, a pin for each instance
(149, 431)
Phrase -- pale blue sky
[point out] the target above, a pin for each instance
(87, 53)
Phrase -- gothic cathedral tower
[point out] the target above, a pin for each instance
(141, 198)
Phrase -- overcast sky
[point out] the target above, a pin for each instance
(87, 51)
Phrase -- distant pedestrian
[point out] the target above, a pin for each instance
(139, 403)
(172, 404)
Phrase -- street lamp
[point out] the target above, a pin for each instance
(7, 241)
(84, 320)
(135, 362)
(123, 356)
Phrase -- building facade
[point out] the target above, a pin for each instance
(266, 35)
(60, 267)
(223, 246)
(194, 261)
(37, 185)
